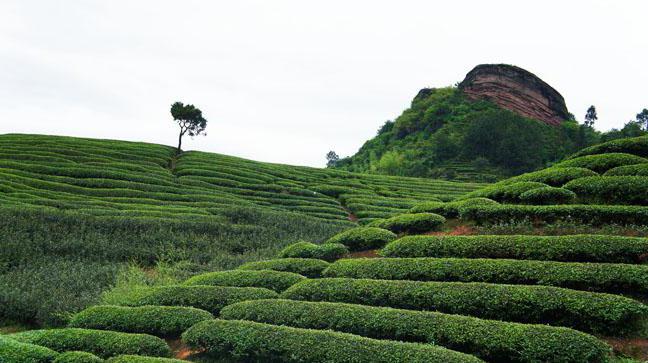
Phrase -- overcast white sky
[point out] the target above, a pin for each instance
(286, 81)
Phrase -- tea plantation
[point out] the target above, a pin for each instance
(291, 264)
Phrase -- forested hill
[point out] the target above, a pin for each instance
(500, 121)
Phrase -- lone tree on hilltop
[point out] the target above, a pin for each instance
(590, 116)
(642, 119)
(190, 120)
(331, 159)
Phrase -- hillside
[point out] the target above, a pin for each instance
(500, 121)
(74, 211)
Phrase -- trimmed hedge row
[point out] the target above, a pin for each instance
(13, 351)
(246, 339)
(101, 343)
(308, 267)
(164, 321)
(411, 223)
(601, 163)
(599, 277)
(77, 357)
(555, 177)
(586, 311)
(142, 359)
(629, 170)
(326, 251)
(570, 248)
(611, 189)
(363, 238)
(577, 213)
(491, 340)
(548, 195)
(633, 145)
(209, 298)
(505, 192)
(273, 280)
(450, 209)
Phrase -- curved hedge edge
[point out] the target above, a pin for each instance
(270, 279)
(14, 351)
(411, 223)
(363, 238)
(77, 357)
(491, 340)
(327, 251)
(308, 267)
(142, 359)
(248, 339)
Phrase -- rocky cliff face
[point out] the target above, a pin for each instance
(517, 90)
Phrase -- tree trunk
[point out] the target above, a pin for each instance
(179, 143)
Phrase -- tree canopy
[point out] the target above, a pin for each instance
(190, 120)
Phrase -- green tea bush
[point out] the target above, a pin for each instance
(634, 145)
(548, 195)
(491, 340)
(13, 351)
(308, 267)
(77, 357)
(505, 193)
(450, 209)
(326, 251)
(601, 163)
(600, 277)
(571, 248)
(629, 170)
(586, 311)
(102, 343)
(411, 223)
(246, 339)
(363, 238)
(129, 358)
(575, 213)
(163, 321)
(269, 279)
(611, 189)
(555, 177)
(209, 298)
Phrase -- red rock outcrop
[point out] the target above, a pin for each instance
(517, 90)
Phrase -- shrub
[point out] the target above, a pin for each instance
(209, 298)
(491, 340)
(411, 223)
(308, 267)
(629, 170)
(363, 238)
(77, 357)
(269, 279)
(13, 351)
(450, 209)
(585, 214)
(102, 343)
(575, 248)
(611, 189)
(555, 177)
(601, 163)
(505, 193)
(633, 145)
(247, 339)
(326, 251)
(142, 359)
(601, 277)
(548, 195)
(164, 321)
(586, 311)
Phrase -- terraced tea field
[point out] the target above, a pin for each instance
(400, 287)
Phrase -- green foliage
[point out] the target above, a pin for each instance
(581, 248)
(595, 215)
(163, 321)
(548, 195)
(450, 209)
(77, 357)
(556, 177)
(269, 279)
(247, 339)
(209, 298)
(101, 343)
(308, 267)
(363, 238)
(411, 223)
(601, 163)
(637, 146)
(629, 170)
(491, 340)
(130, 358)
(190, 120)
(611, 189)
(505, 192)
(326, 251)
(13, 351)
(586, 311)
(598, 277)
